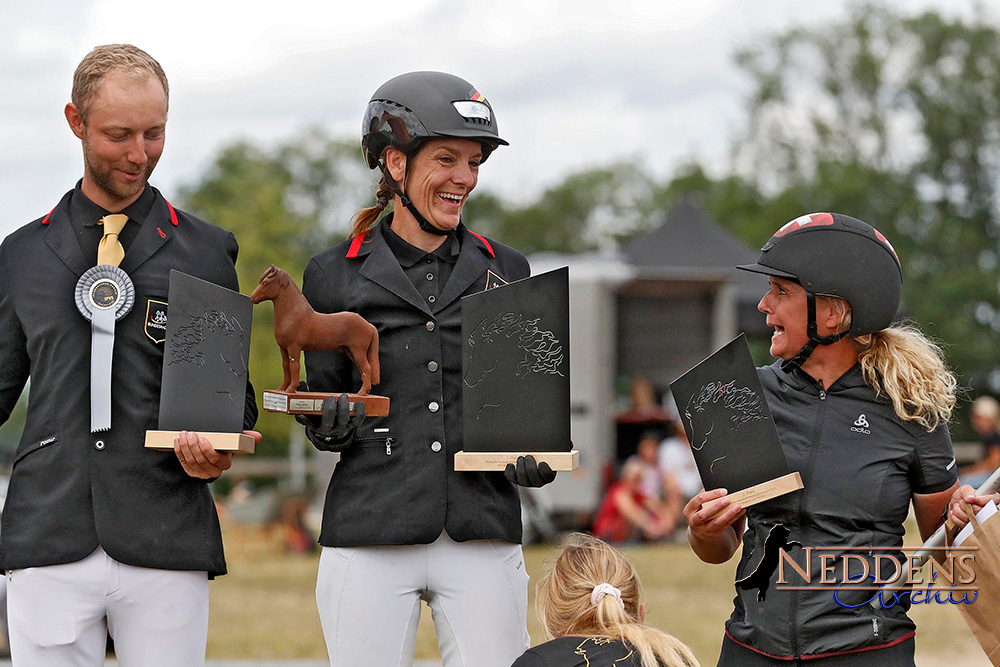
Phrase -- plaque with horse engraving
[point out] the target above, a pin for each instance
(205, 357)
(730, 428)
(515, 369)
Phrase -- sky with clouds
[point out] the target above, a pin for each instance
(574, 83)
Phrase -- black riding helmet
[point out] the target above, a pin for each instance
(411, 108)
(831, 254)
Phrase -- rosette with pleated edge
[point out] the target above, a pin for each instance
(124, 297)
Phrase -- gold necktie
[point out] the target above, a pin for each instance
(110, 251)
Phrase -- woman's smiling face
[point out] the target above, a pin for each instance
(440, 178)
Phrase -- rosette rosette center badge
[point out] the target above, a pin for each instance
(104, 295)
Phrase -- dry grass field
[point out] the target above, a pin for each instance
(265, 607)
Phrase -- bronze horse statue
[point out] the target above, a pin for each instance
(298, 327)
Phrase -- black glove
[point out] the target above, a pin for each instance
(333, 431)
(529, 473)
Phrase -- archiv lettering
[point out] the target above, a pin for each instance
(950, 581)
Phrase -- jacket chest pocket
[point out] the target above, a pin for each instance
(34, 447)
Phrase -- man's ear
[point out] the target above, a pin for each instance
(74, 119)
(395, 162)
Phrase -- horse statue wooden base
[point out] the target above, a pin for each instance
(298, 327)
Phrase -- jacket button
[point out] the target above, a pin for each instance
(433, 406)
(430, 276)
(99, 445)
(432, 366)
(429, 326)
(432, 298)
(435, 446)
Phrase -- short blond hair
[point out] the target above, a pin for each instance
(97, 64)
(563, 602)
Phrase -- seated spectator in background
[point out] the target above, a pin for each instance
(627, 513)
(677, 466)
(647, 456)
(590, 604)
(985, 419)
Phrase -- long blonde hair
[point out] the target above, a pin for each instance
(905, 366)
(563, 602)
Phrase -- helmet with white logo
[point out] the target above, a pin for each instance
(410, 109)
(831, 254)
(413, 107)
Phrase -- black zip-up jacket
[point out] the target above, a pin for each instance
(860, 465)
(396, 483)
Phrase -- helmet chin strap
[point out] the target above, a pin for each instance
(404, 198)
(789, 365)
(421, 220)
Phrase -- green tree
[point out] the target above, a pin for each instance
(588, 210)
(895, 120)
(284, 205)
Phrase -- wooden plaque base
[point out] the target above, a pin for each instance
(767, 490)
(311, 402)
(221, 442)
(497, 461)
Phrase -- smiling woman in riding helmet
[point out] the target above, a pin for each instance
(414, 124)
(400, 524)
(861, 408)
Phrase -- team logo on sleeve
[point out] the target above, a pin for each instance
(493, 280)
(156, 320)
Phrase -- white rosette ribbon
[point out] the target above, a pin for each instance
(104, 295)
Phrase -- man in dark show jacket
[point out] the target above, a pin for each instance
(101, 535)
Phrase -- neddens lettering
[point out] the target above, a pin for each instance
(950, 581)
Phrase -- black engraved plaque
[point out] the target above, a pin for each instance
(205, 357)
(515, 366)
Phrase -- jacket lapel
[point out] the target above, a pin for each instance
(60, 237)
(472, 264)
(382, 268)
(156, 230)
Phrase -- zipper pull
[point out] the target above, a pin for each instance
(822, 395)
(388, 446)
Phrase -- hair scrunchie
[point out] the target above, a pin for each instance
(601, 590)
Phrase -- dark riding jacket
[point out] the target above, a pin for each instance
(396, 483)
(860, 466)
(72, 490)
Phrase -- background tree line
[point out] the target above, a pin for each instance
(891, 118)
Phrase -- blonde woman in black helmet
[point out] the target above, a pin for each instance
(861, 408)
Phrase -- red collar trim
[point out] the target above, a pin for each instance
(46, 220)
(486, 243)
(173, 213)
(355, 245)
